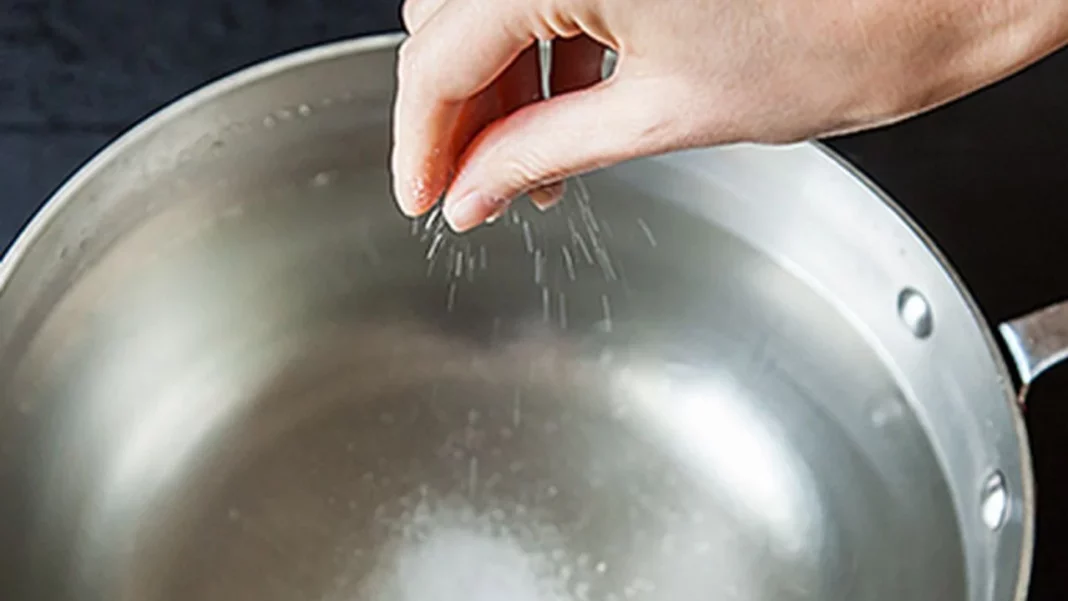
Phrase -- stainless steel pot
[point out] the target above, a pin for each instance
(232, 371)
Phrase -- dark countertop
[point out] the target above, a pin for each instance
(987, 177)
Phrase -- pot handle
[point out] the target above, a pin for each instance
(1037, 341)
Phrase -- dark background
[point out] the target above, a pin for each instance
(987, 177)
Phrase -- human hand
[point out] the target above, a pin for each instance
(470, 121)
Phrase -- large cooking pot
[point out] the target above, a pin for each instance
(231, 370)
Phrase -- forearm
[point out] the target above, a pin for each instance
(963, 46)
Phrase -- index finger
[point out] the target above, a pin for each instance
(456, 54)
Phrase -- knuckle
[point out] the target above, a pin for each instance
(408, 12)
(416, 13)
(551, 19)
(528, 171)
(408, 59)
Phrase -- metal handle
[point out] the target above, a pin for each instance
(1037, 341)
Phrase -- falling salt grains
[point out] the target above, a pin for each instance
(569, 263)
(592, 225)
(459, 264)
(269, 122)
(546, 309)
(602, 256)
(482, 260)
(539, 266)
(607, 311)
(451, 256)
(606, 264)
(608, 267)
(580, 242)
(583, 191)
(562, 310)
(435, 245)
(584, 206)
(452, 296)
(601, 567)
(471, 268)
(304, 110)
(528, 236)
(432, 217)
(622, 273)
(648, 232)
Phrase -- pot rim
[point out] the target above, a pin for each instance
(1027, 478)
(142, 129)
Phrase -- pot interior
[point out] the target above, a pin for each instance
(256, 380)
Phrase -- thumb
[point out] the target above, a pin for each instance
(548, 141)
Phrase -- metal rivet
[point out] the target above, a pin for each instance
(915, 312)
(994, 503)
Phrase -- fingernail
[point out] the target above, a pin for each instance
(470, 211)
(546, 197)
(494, 216)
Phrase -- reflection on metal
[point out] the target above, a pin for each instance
(994, 501)
(1037, 341)
(915, 312)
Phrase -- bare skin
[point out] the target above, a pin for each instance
(470, 121)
